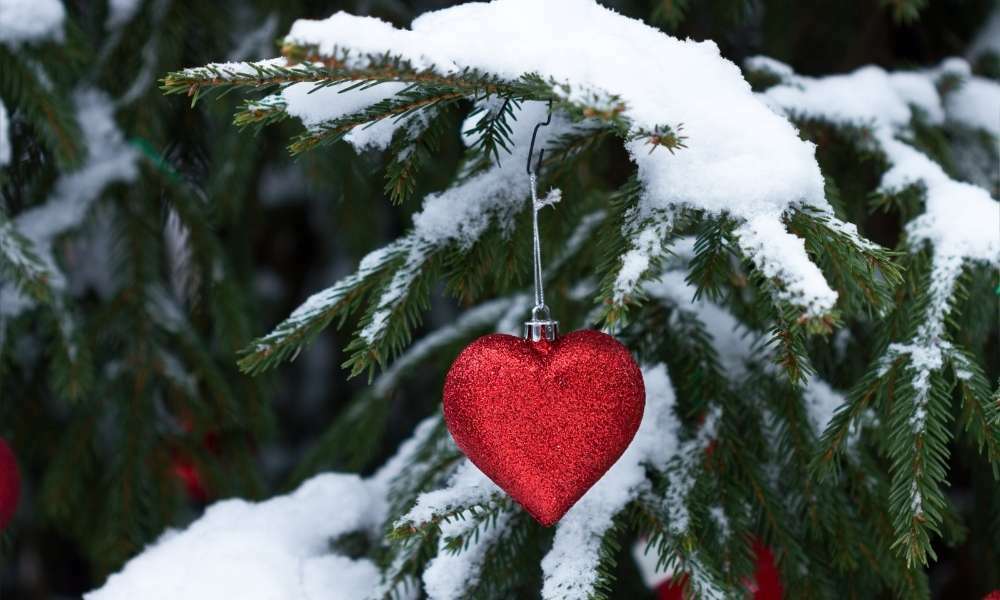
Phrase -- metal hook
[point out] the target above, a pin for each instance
(531, 148)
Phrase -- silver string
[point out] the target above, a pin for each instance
(539, 291)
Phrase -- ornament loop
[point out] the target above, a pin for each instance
(541, 326)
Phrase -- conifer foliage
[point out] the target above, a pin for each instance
(805, 266)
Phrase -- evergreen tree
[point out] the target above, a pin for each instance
(817, 325)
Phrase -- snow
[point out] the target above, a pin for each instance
(463, 213)
(109, 159)
(394, 293)
(274, 549)
(918, 90)
(988, 38)
(781, 256)
(733, 342)
(5, 149)
(767, 64)
(741, 159)
(821, 401)
(648, 244)
(976, 104)
(25, 21)
(315, 105)
(120, 12)
(569, 569)
(960, 219)
(864, 96)
(450, 576)
(468, 486)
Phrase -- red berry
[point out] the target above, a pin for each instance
(994, 595)
(10, 484)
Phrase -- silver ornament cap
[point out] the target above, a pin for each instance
(541, 326)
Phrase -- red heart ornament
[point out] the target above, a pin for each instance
(544, 419)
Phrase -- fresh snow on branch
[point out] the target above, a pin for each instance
(468, 486)
(781, 256)
(450, 576)
(741, 159)
(959, 221)
(278, 548)
(315, 105)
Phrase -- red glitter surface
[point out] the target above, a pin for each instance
(544, 420)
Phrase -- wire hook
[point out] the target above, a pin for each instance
(531, 148)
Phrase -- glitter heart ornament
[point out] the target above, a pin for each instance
(544, 419)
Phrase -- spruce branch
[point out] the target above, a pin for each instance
(403, 105)
(322, 308)
(413, 148)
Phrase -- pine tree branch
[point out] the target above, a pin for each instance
(337, 301)
(402, 106)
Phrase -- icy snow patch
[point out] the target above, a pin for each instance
(257, 551)
(30, 21)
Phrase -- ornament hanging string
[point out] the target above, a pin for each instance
(540, 311)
